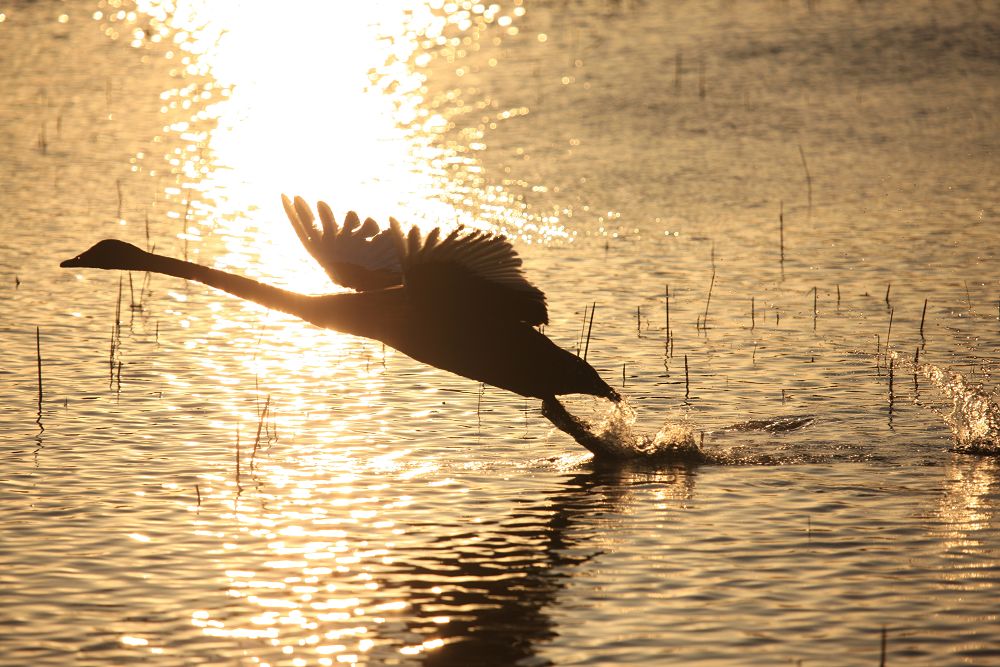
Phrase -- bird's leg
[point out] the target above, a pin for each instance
(576, 428)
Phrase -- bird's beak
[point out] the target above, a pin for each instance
(70, 263)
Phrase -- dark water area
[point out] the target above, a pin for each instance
(201, 481)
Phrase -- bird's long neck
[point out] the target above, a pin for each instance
(245, 288)
(342, 312)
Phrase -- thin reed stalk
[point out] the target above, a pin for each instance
(708, 301)
(666, 310)
(888, 334)
(131, 294)
(118, 307)
(781, 230)
(590, 327)
(891, 366)
(923, 314)
(111, 358)
(687, 378)
(260, 427)
(809, 180)
(38, 352)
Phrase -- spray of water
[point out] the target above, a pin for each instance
(615, 438)
(975, 416)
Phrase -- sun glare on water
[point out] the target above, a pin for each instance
(326, 101)
(322, 100)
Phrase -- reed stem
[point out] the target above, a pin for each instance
(666, 310)
(809, 180)
(260, 427)
(590, 328)
(687, 378)
(708, 301)
(892, 311)
(781, 230)
(38, 351)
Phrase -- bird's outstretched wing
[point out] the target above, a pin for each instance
(471, 274)
(356, 255)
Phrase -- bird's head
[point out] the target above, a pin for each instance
(109, 254)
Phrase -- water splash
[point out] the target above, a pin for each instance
(975, 416)
(615, 438)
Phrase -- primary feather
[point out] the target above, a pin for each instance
(468, 273)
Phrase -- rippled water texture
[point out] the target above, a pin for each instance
(204, 482)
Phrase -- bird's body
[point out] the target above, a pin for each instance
(459, 303)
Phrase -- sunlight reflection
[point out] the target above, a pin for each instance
(330, 102)
(266, 104)
(966, 508)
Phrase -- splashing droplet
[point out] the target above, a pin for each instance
(975, 418)
(615, 437)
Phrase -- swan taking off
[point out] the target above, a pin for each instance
(459, 302)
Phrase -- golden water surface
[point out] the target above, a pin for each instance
(190, 479)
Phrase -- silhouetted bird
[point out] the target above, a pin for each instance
(458, 302)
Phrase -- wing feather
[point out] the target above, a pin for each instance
(470, 274)
(326, 217)
(355, 255)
